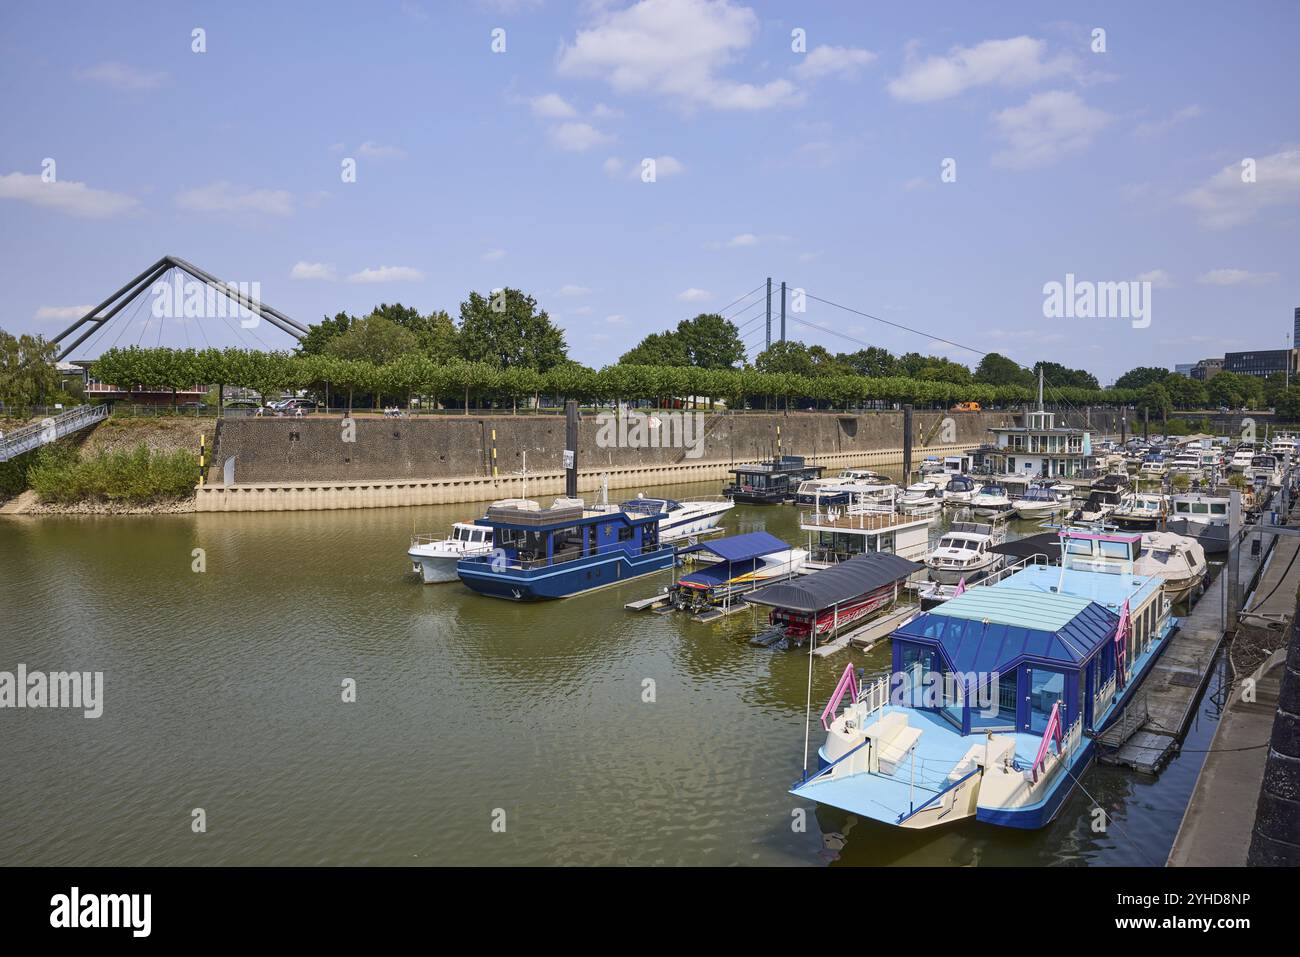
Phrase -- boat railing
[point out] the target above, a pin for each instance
(562, 556)
(848, 682)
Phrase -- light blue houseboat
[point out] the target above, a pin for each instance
(996, 699)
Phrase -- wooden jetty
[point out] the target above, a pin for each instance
(866, 636)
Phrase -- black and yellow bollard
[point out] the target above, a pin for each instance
(203, 457)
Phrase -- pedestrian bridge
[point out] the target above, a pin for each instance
(31, 437)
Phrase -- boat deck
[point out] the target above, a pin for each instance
(916, 778)
(862, 521)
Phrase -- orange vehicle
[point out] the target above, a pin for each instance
(966, 407)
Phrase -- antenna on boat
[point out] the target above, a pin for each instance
(1040, 388)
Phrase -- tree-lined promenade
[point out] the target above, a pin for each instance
(504, 351)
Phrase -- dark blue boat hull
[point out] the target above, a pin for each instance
(565, 580)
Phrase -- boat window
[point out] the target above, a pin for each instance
(1078, 546)
(1116, 549)
(1218, 509)
(625, 533)
(1200, 508)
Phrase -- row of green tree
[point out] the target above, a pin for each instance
(464, 382)
(28, 373)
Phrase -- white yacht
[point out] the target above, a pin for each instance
(960, 490)
(681, 519)
(1203, 516)
(992, 501)
(1284, 446)
(1241, 458)
(1265, 466)
(1188, 462)
(434, 559)
(964, 552)
(1041, 500)
(921, 498)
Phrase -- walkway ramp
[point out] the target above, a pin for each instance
(31, 437)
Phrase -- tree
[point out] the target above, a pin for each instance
(997, 369)
(711, 342)
(872, 361)
(1185, 392)
(1154, 397)
(1287, 403)
(373, 339)
(320, 334)
(1141, 377)
(507, 329)
(28, 373)
(658, 349)
(1061, 377)
(788, 357)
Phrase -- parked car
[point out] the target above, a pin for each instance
(242, 408)
(296, 407)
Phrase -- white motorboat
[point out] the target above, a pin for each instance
(681, 519)
(921, 498)
(434, 559)
(964, 552)
(960, 490)
(992, 501)
(1139, 510)
(1265, 466)
(1041, 500)
(1241, 458)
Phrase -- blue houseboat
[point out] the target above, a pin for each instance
(996, 700)
(770, 483)
(562, 551)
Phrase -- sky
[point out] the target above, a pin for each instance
(932, 165)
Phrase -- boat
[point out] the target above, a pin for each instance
(933, 465)
(960, 490)
(822, 491)
(1187, 463)
(1178, 560)
(1138, 510)
(1203, 517)
(996, 701)
(731, 568)
(1241, 457)
(921, 498)
(1283, 445)
(434, 559)
(563, 550)
(1265, 468)
(1153, 466)
(1103, 498)
(680, 520)
(964, 553)
(837, 534)
(768, 483)
(832, 601)
(992, 501)
(1041, 500)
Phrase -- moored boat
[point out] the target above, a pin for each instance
(732, 567)
(434, 559)
(964, 553)
(680, 520)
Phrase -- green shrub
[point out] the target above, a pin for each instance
(135, 476)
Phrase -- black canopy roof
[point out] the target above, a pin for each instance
(1048, 543)
(839, 583)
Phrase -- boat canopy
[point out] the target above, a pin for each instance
(740, 548)
(1048, 543)
(995, 629)
(839, 583)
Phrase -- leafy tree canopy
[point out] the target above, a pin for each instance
(506, 328)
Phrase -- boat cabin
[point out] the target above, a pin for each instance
(770, 482)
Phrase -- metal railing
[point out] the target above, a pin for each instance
(32, 437)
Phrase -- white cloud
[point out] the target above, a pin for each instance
(664, 166)
(694, 295)
(1158, 278)
(577, 137)
(743, 239)
(573, 290)
(1224, 200)
(306, 270)
(67, 196)
(552, 106)
(380, 151)
(62, 312)
(616, 320)
(602, 112)
(581, 311)
(387, 274)
(223, 197)
(809, 256)
(1155, 127)
(677, 49)
(827, 60)
(122, 76)
(612, 166)
(1049, 126)
(916, 182)
(1234, 277)
(1015, 62)
(493, 255)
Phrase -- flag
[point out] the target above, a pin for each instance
(961, 587)
(1121, 636)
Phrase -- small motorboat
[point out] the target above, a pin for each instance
(960, 490)
(434, 559)
(964, 553)
(992, 501)
(1040, 500)
(921, 498)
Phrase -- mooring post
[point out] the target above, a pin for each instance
(907, 441)
(1274, 838)
(571, 448)
(783, 310)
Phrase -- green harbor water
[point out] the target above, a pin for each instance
(223, 691)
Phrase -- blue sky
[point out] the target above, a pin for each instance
(477, 169)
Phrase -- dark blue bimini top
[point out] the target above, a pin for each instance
(740, 548)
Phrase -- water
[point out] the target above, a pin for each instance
(223, 691)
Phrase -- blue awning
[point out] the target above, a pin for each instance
(740, 548)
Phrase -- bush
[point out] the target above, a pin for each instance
(136, 476)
